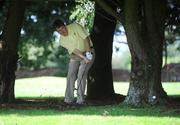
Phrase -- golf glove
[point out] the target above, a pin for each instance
(89, 55)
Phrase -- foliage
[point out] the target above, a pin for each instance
(39, 18)
(172, 30)
(32, 55)
(36, 46)
(36, 42)
(83, 13)
(37, 31)
(60, 57)
(35, 56)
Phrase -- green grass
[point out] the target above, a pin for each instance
(40, 87)
(55, 87)
(97, 115)
(106, 115)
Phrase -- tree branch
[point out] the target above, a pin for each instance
(108, 9)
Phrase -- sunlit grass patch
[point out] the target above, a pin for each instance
(101, 115)
(55, 87)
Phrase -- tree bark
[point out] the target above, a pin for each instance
(144, 25)
(8, 54)
(100, 82)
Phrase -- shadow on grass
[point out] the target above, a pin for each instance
(55, 106)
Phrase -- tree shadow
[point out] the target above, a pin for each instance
(57, 103)
(40, 106)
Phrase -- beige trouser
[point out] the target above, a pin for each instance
(78, 70)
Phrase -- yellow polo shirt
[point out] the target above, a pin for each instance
(75, 38)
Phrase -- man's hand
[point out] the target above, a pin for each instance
(89, 56)
(81, 55)
(1, 44)
(86, 60)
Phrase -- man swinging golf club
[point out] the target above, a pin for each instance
(78, 43)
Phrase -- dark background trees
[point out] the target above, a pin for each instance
(32, 28)
(37, 38)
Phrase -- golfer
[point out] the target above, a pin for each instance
(77, 41)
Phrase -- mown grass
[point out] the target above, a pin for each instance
(55, 87)
(101, 115)
(120, 114)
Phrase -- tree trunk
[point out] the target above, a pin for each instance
(144, 25)
(100, 82)
(1, 4)
(8, 54)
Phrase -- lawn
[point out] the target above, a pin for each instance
(97, 115)
(55, 87)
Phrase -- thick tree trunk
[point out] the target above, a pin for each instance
(100, 82)
(144, 25)
(1, 4)
(8, 54)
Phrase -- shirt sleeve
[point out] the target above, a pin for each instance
(81, 31)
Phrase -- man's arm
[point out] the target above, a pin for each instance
(80, 54)
(88, 43)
